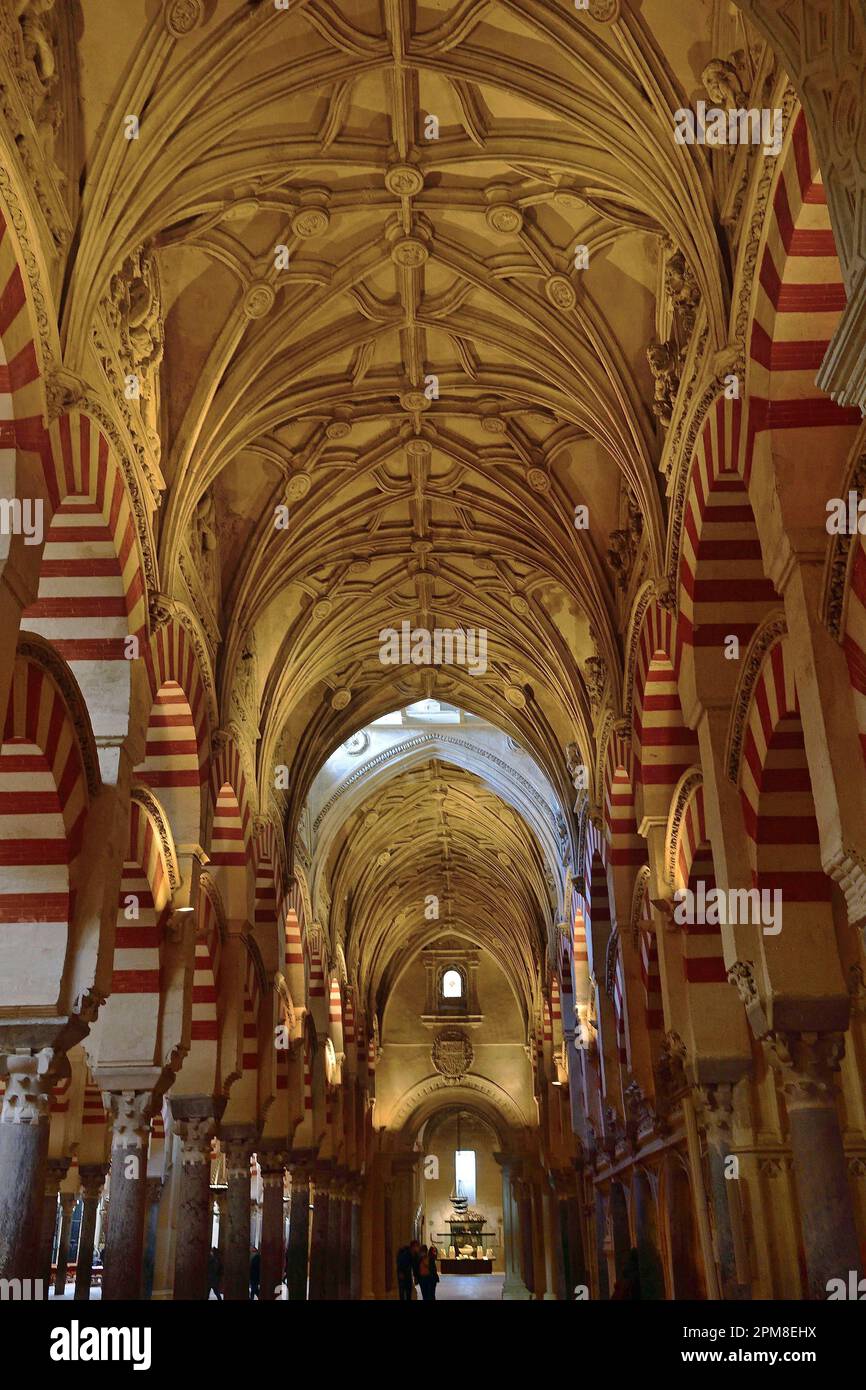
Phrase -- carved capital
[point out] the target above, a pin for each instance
(196, 1134)
(29, 1081)
(130, 1113)
(807, 1062)
(717, 1109)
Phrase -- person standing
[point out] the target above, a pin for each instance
(428, 1275)
(255, 1272)
(406, 1271)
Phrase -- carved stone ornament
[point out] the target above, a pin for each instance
(807, 1063)
(403, 180)
(452, 1054)
(29, 1081)
(605, 11)
(130, 1113)
(182, 16)
(258, 299)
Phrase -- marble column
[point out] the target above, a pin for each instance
(319, 1242)
(388, 1237)
(334, 1252)
(23, 1160)
(152, 1197)
(524, 1217)
(299, 1234)
(514, 1287)
(56, 1171)
(355, 1244)
(273, 1166)
(717, 1114)
(238, 1148)
(68, 1201)
(124, 1241)
(807, 1062)
(552, 1245)
(194, 1121)
(345, 1266)
(92, 1177)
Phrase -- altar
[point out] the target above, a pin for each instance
(466, 1266)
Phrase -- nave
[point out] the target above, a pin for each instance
(432, 650)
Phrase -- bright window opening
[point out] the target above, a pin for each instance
(464, 1174)
(452, 985)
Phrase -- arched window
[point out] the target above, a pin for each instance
(452, 985)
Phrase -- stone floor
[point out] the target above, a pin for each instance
(478, 1287)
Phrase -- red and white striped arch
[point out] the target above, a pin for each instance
(177, 756)
(91, 582)
(204, 1027)
(703, 954)
(799, 297)
(778, 804)
(723, 589)
(295, 948)
(231, 850)
(22, 391)
(663, 747)
(43, 806)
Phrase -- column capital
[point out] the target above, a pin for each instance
(807, 1062)
(30, 1077)
(55, 1171)
(716, 1102)
(92, 1176)
(238, 1143)
(130, 1113)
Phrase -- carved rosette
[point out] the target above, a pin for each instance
(452, 1054)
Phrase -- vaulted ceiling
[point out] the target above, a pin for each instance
(409, 258)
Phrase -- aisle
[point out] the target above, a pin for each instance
(480, 1287)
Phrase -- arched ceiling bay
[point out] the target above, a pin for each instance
(432, 350)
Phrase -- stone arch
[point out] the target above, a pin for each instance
(24, 329)
(663, 746)
(92, 592)
(798, 298)
(493, 1103)
(775, 786)
(690, 865)
(130, 1024)
(646, 1237)
(683, 1249)
(199, 1073)
(48, 775)
(177, 750)
(723, 590)
(620, 1228)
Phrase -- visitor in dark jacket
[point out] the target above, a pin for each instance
(407, 1258)
(428, 1274)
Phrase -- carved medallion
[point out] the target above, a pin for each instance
(560, 292)
(452, 1053)
(182, 16)
(310, 222)
(504, 218)
(409, 251)
(403, 180)
(258, 299)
